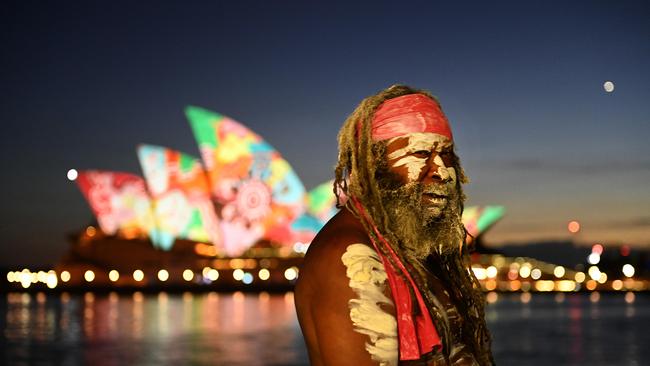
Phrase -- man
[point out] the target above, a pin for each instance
(387, 281)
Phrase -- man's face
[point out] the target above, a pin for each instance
(424, 160)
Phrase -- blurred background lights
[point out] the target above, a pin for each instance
(593, 258)
(628, 270)
(213, 274)
(113, 275)
(597, 248)
(594, 273)
(89, 276)
(51, 280)
(138, 275)
(573, 226)
(188, 275)
(65, 276)
(559, 271)
(580, 277)
(264, 274)
(163, 275)
(491, 271)
(625, 250)
(91, 231)
(72, 174)
(247, 279)
(608, 86)
(524, 271)
(291, 273)
(536, 274)
(238, 274)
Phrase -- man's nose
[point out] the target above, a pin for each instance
(437, 170)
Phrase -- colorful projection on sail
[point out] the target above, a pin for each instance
(477, 219)
(180, 193)
(258, 194)
(120, 203)
(321, 202)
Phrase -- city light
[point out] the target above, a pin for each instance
(264, 274)
(213, 274)
(565, 285)
(544, 286)
(238, 274)
(491, 271)
(573, 226)
(594, 273)
(247, 279)
(72, 175)
(65, 276)
(597, 248)
(617, 285)
(580, 277)
(188, 275)
(113, 275)
(628, 270)
(163, 275)
(608, 86)
(536, 274)
(593, 258)
(51, 280)
(89, 276)
(559, 271)
(524, 271)
(91, 231)
(291, 273)
(138, 275)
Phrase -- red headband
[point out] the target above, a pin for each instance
(408, 114)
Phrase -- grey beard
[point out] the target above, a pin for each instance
(418, 232)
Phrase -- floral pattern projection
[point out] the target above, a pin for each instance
(257, 193)
(120, 202)
(180, 193)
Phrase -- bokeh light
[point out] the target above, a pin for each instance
(138, 275)
(573, 226)
(113, 275)
(89, 276)
(628, 270)
(72, 175)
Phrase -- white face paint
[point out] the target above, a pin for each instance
(415, 155)
(425, 149)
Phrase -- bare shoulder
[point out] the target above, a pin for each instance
(322, 296)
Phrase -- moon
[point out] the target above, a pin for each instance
(608, 86)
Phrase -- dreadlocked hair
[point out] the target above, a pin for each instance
(355, 176)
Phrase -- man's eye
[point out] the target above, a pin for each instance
(422, 153)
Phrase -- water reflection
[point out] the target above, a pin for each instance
(261, 329)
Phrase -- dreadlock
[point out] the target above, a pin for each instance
(356, 175)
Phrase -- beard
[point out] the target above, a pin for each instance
(422, 226)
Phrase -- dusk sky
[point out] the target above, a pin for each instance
(83, 83)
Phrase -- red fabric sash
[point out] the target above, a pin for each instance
(417, 334)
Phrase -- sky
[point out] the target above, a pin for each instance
(82, 83)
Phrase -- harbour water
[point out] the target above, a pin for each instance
(261, 329)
